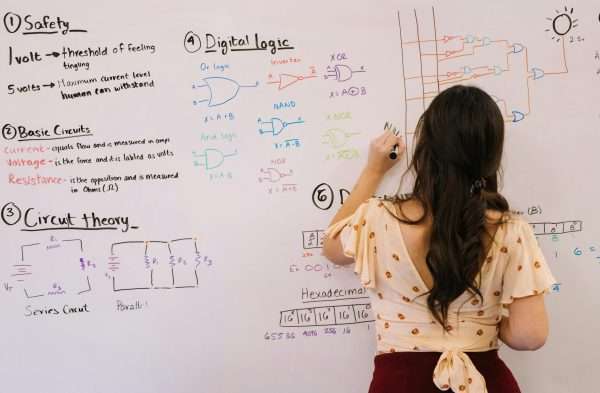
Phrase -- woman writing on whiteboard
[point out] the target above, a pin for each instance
(450, 270)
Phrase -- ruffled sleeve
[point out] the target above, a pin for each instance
(358, 241)
(527, 272)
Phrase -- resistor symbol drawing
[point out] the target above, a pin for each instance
(275, 125)
(218, 90)
(211, 158)
(341, 72)
(155, 264)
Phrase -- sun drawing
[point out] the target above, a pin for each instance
(562, 23)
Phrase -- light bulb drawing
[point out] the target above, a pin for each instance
(562, 23)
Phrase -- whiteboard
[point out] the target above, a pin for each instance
(168, 169)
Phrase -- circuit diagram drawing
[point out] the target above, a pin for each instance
(56, 267)
(275, 125)
(273, 175)
(341, 72)
(218, 90)
(277, 177)
(211, 158)
(284, 80)
(155, 264)
(432, 62)
(336, 137)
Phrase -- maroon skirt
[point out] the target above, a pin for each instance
(412, 372)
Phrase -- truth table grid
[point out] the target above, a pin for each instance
(347, 314)
(556, 228)
(313, 239)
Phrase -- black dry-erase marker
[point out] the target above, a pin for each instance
(394, 152)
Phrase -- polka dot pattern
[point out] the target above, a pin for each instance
(514, 267)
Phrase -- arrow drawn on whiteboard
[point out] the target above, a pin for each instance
(218, 90)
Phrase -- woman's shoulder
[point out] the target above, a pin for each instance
(508, 218)
(511, 223)
(404, 207)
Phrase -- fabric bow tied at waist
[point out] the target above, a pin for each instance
(455, 370)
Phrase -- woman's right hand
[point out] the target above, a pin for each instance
(379, 160)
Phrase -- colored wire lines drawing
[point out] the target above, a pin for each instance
(448, 60)
(155, 264)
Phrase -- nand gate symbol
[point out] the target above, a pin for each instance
(31, 311)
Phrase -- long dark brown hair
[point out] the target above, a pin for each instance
(456, 162)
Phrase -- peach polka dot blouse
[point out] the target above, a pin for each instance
(514, 267)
